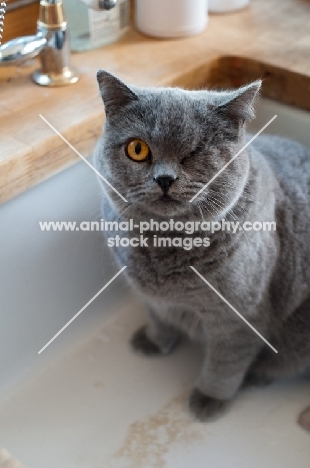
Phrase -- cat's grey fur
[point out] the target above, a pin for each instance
(264, 275)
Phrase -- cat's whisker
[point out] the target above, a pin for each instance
(207, 202)
(200, 205)
(205, 205)
(127, 209)
(200, 211)
(231, 212)
(226, 201)
(216, 203)
(231, 185)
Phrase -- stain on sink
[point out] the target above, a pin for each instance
(149, 440)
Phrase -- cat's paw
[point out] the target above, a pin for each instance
(205, 408)
(142, 344)
(304, 419)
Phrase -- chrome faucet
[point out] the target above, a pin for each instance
(51, 43)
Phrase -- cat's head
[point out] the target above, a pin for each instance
(160, 146)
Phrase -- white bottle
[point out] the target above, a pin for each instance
(223, 6)
(90, 29)
(170, 18)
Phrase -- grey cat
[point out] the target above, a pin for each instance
(159, 148)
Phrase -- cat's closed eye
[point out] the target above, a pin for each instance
(192, 154)
(138, 150)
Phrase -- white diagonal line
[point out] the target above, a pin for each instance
(83, 308)
(235, 310)
(232, 159)
(82, 157)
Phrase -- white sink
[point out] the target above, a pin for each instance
(87, 401)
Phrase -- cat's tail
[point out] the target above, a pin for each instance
(304, 419)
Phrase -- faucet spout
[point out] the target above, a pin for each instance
(17, 51)
(51, 44)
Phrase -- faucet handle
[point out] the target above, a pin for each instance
(100, 4)
(107, 4)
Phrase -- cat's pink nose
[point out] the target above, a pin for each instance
(165, 182)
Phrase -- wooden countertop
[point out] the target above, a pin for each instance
(270, 39)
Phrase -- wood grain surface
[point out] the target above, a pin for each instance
(21, 21)
(270, 40)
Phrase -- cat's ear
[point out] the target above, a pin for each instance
(239, 104)
(115, 94)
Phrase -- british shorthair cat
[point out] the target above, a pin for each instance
(159, 148)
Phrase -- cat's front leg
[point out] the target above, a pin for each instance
(304, 419)
(225, 365)
(157, 337)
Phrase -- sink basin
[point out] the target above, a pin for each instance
(87, 401)
(282, 85)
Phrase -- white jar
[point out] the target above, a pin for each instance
(170, 18)
(223, 6)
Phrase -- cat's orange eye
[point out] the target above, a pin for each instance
(138, 150)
